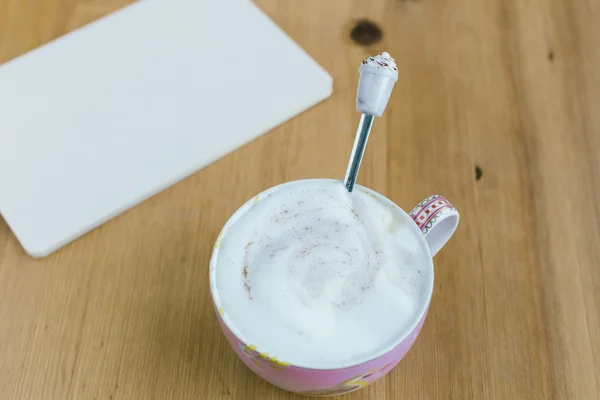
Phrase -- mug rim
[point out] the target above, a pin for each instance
(419, 315)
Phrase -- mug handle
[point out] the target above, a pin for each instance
(437, 219)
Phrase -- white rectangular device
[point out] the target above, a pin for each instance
(102, 118)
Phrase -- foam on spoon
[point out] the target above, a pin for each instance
(383, 62)
(320, 277)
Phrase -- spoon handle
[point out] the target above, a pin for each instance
(360, 143)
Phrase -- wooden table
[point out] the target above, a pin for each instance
(497, 108)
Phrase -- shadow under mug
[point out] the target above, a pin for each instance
(435, 222)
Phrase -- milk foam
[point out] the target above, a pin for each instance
(322, 278)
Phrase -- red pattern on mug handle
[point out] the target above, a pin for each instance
(437, 219)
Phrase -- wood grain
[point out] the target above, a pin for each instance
(508, 86)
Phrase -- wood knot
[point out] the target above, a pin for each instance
(478, 172)
(366, 33)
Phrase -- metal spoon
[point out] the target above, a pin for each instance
(377, 77)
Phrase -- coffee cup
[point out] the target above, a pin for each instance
(432, 222)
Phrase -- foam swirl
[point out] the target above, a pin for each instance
(323, 269)
(317, 260)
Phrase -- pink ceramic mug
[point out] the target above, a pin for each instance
(436, 220)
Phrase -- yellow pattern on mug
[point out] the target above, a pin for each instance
(219, 241)
(260, 358)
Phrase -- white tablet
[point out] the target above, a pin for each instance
(99, 120)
